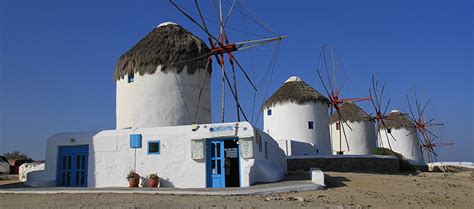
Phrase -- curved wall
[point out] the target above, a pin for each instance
(156, 100)
(405, 143)
(361, 138)
(289, 121)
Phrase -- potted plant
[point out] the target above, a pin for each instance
(153, 180)
(133, 179)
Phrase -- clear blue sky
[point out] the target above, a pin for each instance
(57, 59)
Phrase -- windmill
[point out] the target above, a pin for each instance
(334, 90)
(380, 109)
(222, 49)
(424, 128)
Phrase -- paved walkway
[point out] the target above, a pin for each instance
(279, 187)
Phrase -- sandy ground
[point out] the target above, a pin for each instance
(428, 190)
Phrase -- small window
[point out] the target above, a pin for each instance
(338, 125)
(389, 130)
(310, 125)
(269, 112)
(260, 144)
(154, 147)
(131, 77)
(266, 150)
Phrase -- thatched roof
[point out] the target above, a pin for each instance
(295, 90)
(165, 45)
(350, 112)
(396, 120)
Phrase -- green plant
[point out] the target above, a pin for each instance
(402, 161)
(153, 176)
(132, 175)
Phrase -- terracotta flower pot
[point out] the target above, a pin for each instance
(153, 182)
(132, 182)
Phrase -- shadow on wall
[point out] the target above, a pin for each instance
(166, 183)
(303, 148)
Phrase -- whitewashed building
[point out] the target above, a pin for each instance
(163, 127)
(183, 156)
(158, 81)
(361, 136)
(296, 115)
(405, 137)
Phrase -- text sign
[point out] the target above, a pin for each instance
(221, 128)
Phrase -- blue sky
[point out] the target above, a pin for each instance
(57, 59)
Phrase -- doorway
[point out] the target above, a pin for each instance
(72, 166)
(222, 163)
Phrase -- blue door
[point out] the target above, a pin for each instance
(215, 164)
(72, 166)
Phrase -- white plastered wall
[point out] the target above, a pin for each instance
(155, 100)
(288, 124)
(111, 158)
(406, 143)
(361, 138)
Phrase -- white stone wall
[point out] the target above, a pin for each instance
(156, 101)
(408, 146)
(361, 139)
(26, 168)
(289, 121)
(111, 158)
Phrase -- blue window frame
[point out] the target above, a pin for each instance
(269, 112)
(154, 147)
(310, 125)
(131, 77)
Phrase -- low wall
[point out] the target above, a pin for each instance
(345, 163)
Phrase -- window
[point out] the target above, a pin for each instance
(389, 130)
(269, 112)
(310, 125)
(154, 147)
(131, 77)
(338, 125)
(260, 143)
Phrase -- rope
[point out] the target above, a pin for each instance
(200, 91)
(272, 67)
(182, 96)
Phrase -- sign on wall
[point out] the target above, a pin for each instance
(221, 128)
(246, 147)
(197, 149)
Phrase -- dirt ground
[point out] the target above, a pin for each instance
(428, 190)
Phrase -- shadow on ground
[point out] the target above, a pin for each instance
(13, 185)
(335, 181)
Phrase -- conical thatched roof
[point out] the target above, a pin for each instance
(350, 113)
(165, 45)
(295, 90)
(396, 120)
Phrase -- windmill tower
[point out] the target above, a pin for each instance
(330, 63)
(361, 137)
(223, 50)
(296, 115)
(424, 130)
(153, 89)
(403, 129)
(380, 108)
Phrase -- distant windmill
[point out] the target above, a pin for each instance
(377, 99)
(334, 90)
(220, 46)
(423, 127)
